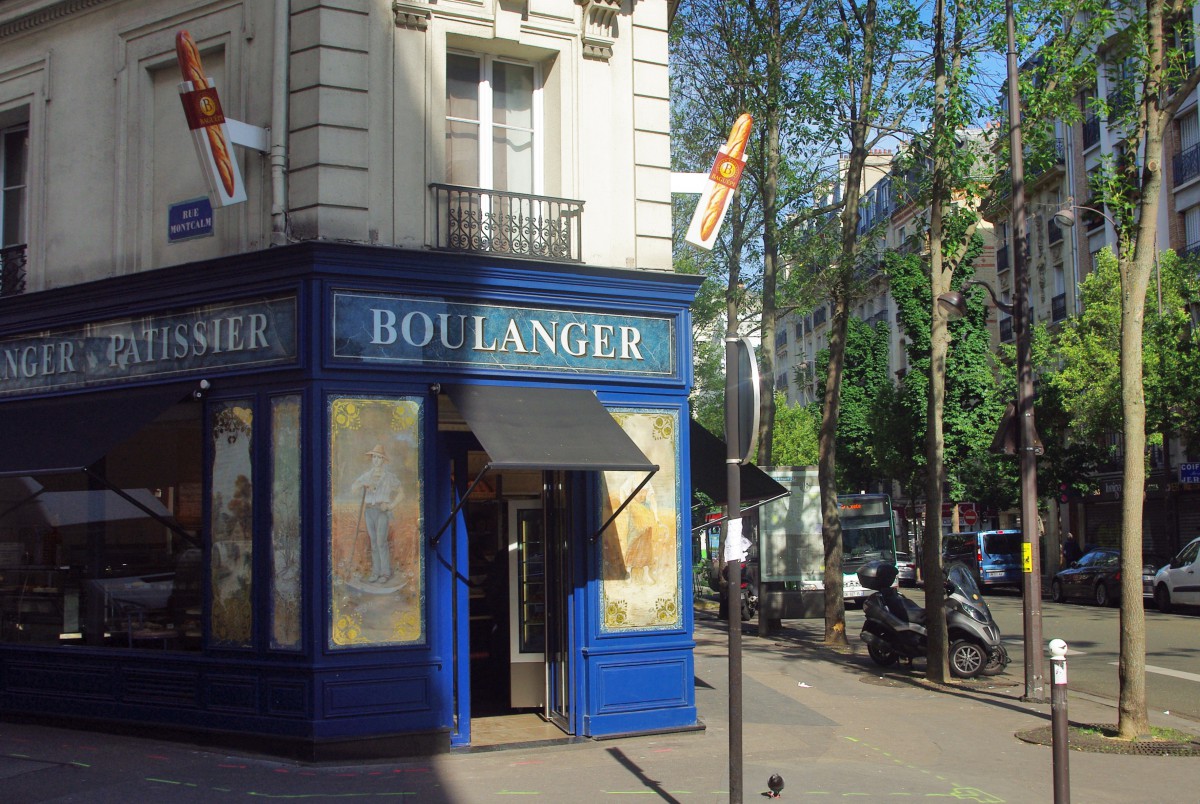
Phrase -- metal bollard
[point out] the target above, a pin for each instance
(1058, 720)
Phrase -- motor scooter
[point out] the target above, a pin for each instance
(748, 598)
(895, 627)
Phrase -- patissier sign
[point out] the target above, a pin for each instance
(256, 333)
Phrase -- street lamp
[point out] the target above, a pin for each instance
(952, 302)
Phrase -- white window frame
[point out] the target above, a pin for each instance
(487, 124)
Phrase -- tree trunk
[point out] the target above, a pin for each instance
(938, 666)
(770, 194)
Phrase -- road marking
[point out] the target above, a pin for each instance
(1166, 671)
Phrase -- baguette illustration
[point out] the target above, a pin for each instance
(193, 70)
(735, 146)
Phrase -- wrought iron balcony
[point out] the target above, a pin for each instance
(1054, 233)
(1006, 329)
(12, 270)
(469, 219)
(1058, 307)
(1186, 165)
(1091, 131)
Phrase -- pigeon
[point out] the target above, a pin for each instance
(776, 784)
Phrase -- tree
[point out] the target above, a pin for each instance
(870, 82)
(1142, 43)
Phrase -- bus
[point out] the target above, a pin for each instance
(868, 534)
(792, 552)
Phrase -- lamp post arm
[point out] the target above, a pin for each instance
(1002, 306)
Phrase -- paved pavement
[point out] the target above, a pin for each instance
(826, 721)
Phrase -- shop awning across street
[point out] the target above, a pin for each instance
(709, 476)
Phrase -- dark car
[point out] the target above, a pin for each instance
(1095, 577)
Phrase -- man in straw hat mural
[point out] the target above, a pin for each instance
(380, 490)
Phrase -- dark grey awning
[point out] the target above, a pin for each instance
(546, 428)
(708, 471)
(72, 433)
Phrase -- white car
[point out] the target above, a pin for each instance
(907, 570)
(1178, 583)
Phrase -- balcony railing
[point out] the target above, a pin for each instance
(469, 219)
(1191, 249)
(12, 270)
(1058, 307)
(1091, 131)
(1054, 232)
(1187, 165)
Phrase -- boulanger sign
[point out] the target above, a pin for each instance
(254, 333)
(443, 332)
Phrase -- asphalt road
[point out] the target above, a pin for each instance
(1093, 640)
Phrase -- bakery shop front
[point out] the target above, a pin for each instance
(334, 500)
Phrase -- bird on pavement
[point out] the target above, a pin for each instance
(775, 783)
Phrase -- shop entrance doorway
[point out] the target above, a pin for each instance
(519, 560)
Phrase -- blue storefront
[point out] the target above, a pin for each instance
(334, 500)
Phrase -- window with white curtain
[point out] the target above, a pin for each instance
(492, 116)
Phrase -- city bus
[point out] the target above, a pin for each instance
(868, 534)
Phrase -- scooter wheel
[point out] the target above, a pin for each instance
(967, 659)
(997, 664)
(882, 656)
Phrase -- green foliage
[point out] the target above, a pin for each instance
(795, 439)
(866, 385)
(1080, 364)
(977, 390)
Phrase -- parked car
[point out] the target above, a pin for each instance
(1178, 583)
(993, 556)
(1095, 577)
(907, 569)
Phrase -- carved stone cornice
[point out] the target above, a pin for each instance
(412, 15)
(47, 13)
(598, 28)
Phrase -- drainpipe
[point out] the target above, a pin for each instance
(279, 123)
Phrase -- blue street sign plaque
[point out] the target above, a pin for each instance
(189, 219)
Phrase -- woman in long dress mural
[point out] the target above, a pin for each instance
(640, 551)
(376, 559)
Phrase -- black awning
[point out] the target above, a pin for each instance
(72, 433)
(708, 471)
(546, 428)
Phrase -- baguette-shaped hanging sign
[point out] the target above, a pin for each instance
(722, 181)
(210, 134)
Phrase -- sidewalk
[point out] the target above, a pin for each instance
(828, 722)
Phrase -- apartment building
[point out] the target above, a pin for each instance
(1060, 257)
(338, 445)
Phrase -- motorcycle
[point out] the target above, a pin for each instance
(895, 627)
(748, 598)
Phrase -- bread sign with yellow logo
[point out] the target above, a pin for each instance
(202, 107)
(722, 181)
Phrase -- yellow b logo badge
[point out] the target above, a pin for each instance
(207, 106)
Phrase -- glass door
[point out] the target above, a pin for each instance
(559, 586)
(527, 608)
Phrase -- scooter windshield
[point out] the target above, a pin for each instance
(961, 577)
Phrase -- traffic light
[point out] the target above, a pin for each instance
(1062, 492)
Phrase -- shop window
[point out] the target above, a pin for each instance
(231, 565)
(111, 556)
(286, 588)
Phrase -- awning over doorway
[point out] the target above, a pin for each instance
(708, 472)
(71, 433)
(546, 428)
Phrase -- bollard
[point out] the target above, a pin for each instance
(1058, 720)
